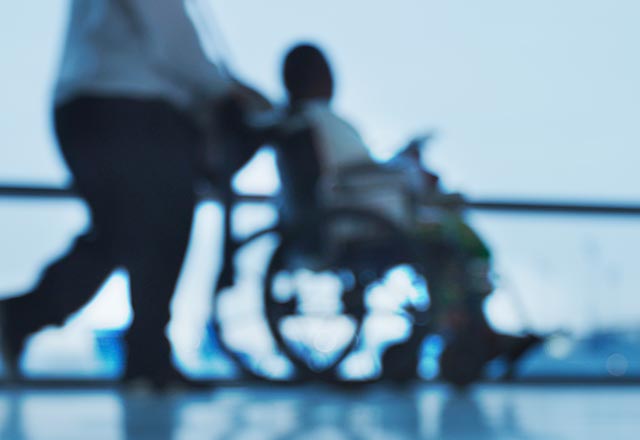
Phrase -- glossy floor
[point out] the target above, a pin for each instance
(313, 412)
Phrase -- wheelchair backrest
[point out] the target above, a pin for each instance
(381, 189)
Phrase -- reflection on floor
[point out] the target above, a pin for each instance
(314, 412)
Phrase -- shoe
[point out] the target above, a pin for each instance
(10, 347)
(516, 349)
(169, 382)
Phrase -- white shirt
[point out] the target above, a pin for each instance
(136, 48)
(339, 144)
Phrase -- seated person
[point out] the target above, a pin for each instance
(313, 145)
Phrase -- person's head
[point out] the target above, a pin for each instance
(307, 74)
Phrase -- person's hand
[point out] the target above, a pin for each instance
(248, 98)
(232, 139)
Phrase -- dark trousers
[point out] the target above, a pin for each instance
(132, 162)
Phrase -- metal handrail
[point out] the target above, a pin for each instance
(534, 206)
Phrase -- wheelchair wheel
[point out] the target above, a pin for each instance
(315, 291)
(238, 325)
(462, 362)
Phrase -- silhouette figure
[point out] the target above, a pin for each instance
(316, 150)
(132, 76)
(314, 145)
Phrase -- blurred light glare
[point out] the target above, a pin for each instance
(559, 346)
(360, 365)
(617, 365)
(259, 176)
(110, 308)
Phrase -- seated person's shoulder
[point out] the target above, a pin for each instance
(322, 116)
(337, 137)
(315, 118)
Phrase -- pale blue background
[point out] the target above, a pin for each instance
(531, 99)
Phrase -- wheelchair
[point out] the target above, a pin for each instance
(304, 297)
(325, 277)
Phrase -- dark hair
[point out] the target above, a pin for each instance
(307, 74)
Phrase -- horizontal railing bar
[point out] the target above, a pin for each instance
(36, 192)
(545, 207)
(554, 207)
(82, 383)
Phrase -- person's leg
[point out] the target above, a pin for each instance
(132, 162)
(70, 282)
(153, 277)
(65, 286)
(157, 202)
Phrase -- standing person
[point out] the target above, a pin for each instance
(133, 74)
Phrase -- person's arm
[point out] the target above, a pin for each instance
(175, 46)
